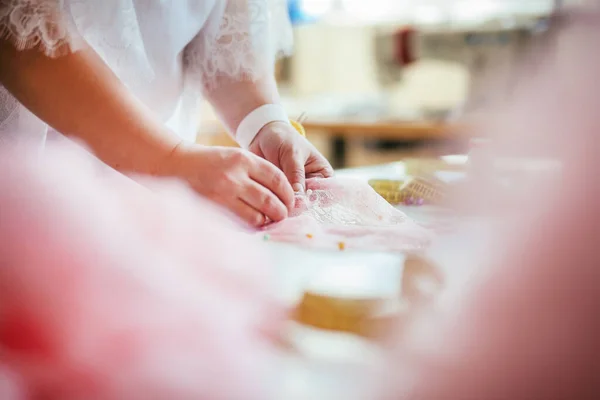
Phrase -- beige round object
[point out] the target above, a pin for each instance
(371, 318)
(368, 305)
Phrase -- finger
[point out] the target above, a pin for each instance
(319, 167)
(264, 201)
(248, 213)
(327, 170)
(293, 168)
(272, 178)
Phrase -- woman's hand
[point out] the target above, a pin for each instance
(281, 144)
(242, 182)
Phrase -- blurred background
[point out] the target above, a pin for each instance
(380, 80)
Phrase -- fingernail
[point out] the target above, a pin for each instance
(298, 188)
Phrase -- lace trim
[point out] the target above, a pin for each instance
(242, 45)
(344, 207)
(39, 24)
(112, 29)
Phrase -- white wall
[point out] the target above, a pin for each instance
(334, 60)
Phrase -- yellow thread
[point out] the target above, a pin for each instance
(298, 126)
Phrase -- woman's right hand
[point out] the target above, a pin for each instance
(249, 186)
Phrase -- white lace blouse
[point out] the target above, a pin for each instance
(167, 52)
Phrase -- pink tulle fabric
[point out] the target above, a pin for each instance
(524, 323)
(346, 212)
(109, 290)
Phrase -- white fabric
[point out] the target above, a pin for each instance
(166, 52)
(256, 120)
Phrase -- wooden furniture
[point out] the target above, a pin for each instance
(382, 130)
(338, 133)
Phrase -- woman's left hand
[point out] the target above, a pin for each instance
(283, 146)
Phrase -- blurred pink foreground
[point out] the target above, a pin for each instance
(109, 290)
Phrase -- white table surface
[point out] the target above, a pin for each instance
(327, 365)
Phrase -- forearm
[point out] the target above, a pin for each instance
(235, 100)
(79, 96)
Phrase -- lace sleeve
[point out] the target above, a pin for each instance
(43, 24)
(240, 41)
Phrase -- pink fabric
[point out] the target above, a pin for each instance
(522, 324)
(342, 210)
(112, 291)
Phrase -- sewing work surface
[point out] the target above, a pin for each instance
(342, 213)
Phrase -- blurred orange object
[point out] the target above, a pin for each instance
(298, 126)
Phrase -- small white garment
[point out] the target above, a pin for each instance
(166, 52)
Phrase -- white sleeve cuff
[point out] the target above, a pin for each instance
(256, 120)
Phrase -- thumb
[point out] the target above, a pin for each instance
(292, 166)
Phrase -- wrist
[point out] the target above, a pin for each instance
(170, 157)
(257, 120)
(147, 151)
